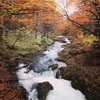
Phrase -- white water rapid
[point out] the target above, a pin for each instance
(62, 89)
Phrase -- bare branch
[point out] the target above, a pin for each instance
(78, 24)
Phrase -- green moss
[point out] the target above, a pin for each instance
(47, 41)
(25, 45)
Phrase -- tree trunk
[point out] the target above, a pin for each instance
(13, 46)
(36, 24)
(1, 33)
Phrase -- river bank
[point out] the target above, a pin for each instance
(83, 68)
(85, 78)
(43, 75)
(9, 89)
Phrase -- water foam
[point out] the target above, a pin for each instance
(62, 89)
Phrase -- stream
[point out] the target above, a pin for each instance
(39, 71)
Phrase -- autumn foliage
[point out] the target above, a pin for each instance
(34, 15)
(87, 16)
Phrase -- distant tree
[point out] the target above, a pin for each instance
(30, 14)
(87, 16)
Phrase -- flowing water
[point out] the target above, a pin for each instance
(62, 89)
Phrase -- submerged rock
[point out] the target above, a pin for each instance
(43, 89)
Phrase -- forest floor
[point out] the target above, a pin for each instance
(83, 67)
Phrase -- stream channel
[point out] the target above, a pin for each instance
(40, 72)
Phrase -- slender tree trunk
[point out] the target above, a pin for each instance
(43, 35)
(36, 26)
(36, 34)
(13, 46)
(18, 38)
(48, 35)
(1, 33)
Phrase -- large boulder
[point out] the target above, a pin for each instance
(43, 89)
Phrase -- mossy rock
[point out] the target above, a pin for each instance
(54, 66)
(43, 89)
(58, 74)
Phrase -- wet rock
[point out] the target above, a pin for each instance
(58, 74)
(27, 61)
(60, 39)
(54, 66)
(43, 89)
(60, 59)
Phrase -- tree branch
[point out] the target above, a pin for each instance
(93, 14)
(78, 24)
